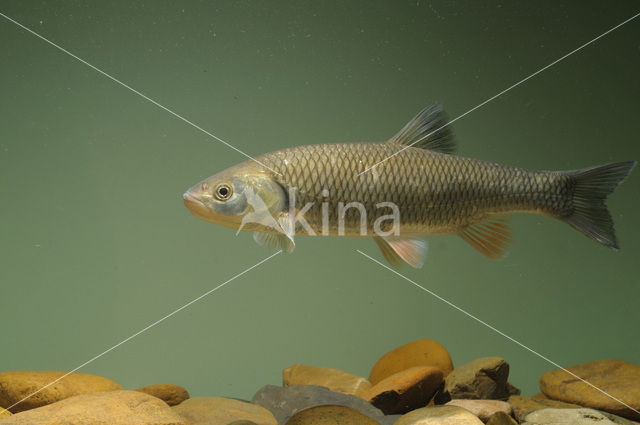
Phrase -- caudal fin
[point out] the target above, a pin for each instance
(592, 186)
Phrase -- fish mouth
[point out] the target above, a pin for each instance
(195, 205)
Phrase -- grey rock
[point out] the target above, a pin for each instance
(284, 402)
(581, 416)
(388, 419)
(484, 378)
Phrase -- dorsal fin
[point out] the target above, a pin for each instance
(399, 249)
(490, 237)
(416, 133)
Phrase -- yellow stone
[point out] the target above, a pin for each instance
(20, 384)
(219, 410)
(406, 390)
(4, 413)
(334, 379)
(423, 352)
(334, 415)
(170, 394)
(439, 415)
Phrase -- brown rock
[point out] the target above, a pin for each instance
(14, 386)
(522, 406)
(423, 352)
(501, 418)
(484, 378)
(334, 415)
(334, 379)
(483, 409)
(406, 390)
(243, 422)
(113, 408)
(617, 378)
(214, 410)
(540, 396)
(439, 415)
(170, 394)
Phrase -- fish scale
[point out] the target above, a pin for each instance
(435, 192)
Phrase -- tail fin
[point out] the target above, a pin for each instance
(592, 186)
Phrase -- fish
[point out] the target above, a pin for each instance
(400, 191)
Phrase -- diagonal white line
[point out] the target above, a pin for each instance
(504, 91)
(496, 330)
(136, 92)
(143, 330)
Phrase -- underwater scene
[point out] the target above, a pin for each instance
(297, 212)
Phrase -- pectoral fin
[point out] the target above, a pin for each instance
(398, 250)
(490, 237)
(275, 241)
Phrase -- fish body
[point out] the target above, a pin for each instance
(436, 193)
(399, 191)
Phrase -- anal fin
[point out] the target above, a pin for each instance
(397, 250)
(490, 237)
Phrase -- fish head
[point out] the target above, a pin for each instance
(243, 197)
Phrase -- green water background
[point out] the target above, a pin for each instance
(95, 243)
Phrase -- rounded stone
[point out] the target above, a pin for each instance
(617, 378)
(581, 416)
(334, 415)
(522, 405)
(334, 379)
(15, 386)
(406, 390)
(439, 415)
(501, 418)
(112, 407)
(170, 394)
(222, 410)
(483, 409)
(423, 352)
(284, 402)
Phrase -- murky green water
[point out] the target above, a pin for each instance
(96, 243)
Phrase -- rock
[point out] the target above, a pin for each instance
(483, 409)
(219, 410)
(540, 396)
(335, 415)
(617, 378)
(405, 391)
(4, 413)
(388, 419)
(501, 418)
(334, 379)
(170, 394)
(582, 416)
(14, 386)
(423, 352)
(243, 422)
(439, 415)
(113, 408)
(522, 406)
(284, 402)
(484, 378)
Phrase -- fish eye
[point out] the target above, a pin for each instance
(223, 192)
